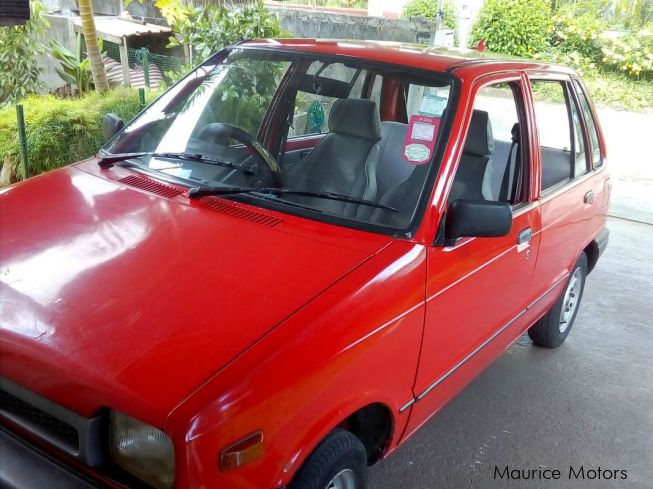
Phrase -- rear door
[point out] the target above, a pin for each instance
(568, 199)
(600, 183)
(478, 289)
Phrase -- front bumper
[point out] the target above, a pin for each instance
(23, 467)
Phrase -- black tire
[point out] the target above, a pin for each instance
(547, 331)
(340, 451)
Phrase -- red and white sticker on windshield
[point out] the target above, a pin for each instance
(420, 140)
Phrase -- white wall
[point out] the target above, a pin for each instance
(377, 8)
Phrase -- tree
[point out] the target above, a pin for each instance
(19, 51)
(93, 46)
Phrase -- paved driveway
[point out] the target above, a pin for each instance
(589, 403)
(629, 137)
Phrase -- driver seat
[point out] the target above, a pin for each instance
(344, 162)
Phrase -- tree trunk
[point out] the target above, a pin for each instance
(92, 46)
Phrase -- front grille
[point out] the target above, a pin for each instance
(19, 410)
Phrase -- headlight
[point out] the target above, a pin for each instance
(142, 450)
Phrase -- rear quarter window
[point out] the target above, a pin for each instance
(595, 149)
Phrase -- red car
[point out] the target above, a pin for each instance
(289, 262)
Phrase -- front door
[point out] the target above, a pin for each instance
(478, 289)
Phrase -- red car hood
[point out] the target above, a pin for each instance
(112, 296)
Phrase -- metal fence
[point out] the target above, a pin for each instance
(144, 57)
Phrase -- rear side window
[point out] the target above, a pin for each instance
(595, 149)
(562, 143)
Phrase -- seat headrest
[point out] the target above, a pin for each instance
(355, 117)
(480, 141)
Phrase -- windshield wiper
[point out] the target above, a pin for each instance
(196, 193)
(109, 159)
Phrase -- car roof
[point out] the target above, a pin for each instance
(413, 55)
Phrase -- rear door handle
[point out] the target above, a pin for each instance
(525, 236)
(589, 197)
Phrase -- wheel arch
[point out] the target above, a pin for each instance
(373, 423)
(592, 252)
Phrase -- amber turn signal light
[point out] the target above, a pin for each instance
(242, 452)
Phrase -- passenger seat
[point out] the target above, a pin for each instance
(393, 168)
(399, 182)
(477, 152)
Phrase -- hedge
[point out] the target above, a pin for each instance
(62, 131)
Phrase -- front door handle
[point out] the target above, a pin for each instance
(589, 197)
(525, 236)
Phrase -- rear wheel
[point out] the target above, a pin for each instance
(339, 462)
(552, 330)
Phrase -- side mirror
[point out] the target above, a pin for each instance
(477, 218)
(111, 125)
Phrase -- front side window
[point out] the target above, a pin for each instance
(228, 128)
(493, 164)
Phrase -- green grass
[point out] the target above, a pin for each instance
(607, 90)
(618, 91)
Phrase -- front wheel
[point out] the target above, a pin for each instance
(339, 462)
(552, 330)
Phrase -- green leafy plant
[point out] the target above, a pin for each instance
(631, 54)
(211, 27)
(19, 51)
(576, 28)
(75, 67)
(62, 131)
(428, 9)
(517, 27)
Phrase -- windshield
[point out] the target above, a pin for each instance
(343, 140)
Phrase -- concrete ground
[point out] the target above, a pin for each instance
(589, 402)
(629, 137)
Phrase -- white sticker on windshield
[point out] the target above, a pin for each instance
(423, 131)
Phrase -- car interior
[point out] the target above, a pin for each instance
(332, 128)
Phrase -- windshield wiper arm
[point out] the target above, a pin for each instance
(108, 159)
(196, 193)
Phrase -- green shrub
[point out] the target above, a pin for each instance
(517, 27)
(19, 49)
(631, 54)
(428, 9)
(582, 64)
(62, 131)
(576, 28)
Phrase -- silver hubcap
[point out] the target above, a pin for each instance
(571, 300)
(345, 479)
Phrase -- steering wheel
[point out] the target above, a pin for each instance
(220, 132)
